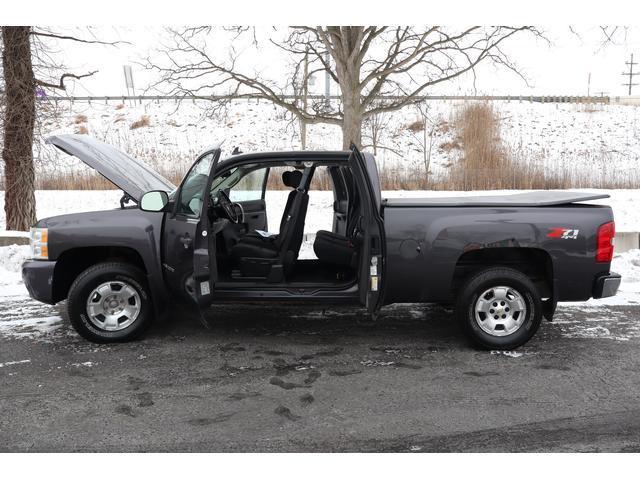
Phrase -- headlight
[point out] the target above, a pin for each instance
(38, 240)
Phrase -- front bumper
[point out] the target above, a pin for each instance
(38, 278)
(606, 285)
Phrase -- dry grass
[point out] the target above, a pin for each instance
(88, 181)
(484, 163)
(120, 106)
(397, 178)
(80, 118)
(143, 121)
(81, 130)
(449, 146)
(478, 135)
(320, 181)
(443, 127)
(416, 126)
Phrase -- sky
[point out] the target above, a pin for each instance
(559, 66)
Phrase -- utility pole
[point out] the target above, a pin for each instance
(128, 80)
(630, 74)
(589, 85)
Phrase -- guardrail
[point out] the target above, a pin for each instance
(220, 98)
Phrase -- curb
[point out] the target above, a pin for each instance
(5, 241)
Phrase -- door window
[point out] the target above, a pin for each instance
(192, 191)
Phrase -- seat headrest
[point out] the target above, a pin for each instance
(292, 178)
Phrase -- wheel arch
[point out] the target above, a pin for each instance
(535, 263)
(74, 261)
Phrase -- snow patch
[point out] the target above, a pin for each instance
(376, 363)
(507, 353)
(30, 327)
(83, 364)
(14, 233)
(15, 362)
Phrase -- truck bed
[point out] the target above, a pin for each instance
(528, 199)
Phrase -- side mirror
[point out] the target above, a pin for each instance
(154, 201)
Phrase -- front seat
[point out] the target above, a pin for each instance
(275, 259)
(290, 178)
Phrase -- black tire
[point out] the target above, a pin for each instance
(93, 277)
(485, 280)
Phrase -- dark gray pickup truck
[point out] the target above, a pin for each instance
(504, 261)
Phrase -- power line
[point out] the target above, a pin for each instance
(630, 74)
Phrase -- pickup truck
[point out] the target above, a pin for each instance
(503, 261)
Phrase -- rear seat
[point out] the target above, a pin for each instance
(342, 250)
(336, 249)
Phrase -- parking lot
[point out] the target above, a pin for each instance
(292, 379)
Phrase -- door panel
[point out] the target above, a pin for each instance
(373, 248)
(188, 249)
(254, 214)
(177, 254)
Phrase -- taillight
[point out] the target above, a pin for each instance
(604, 251)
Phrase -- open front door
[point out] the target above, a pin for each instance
(373, 248)
(189, 260)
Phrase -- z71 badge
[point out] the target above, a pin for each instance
(563, 233)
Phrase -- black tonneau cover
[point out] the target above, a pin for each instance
(541, 198)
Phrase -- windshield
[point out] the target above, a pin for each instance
(248, 179)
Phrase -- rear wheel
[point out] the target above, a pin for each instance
(110, 302)
(499, 308)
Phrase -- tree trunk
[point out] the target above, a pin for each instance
(20, 113)
(351, 130)
(348, 72)
(352, 119)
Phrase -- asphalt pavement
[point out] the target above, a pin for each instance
(291, 379)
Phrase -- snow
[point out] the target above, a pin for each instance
(30, 327)
(570, 137)
(83, 364)
(15, 362)
(507, 353)
(11, 258)
(14, 233)
(627, 264)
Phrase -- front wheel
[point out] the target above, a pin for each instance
(110, 302)
(499, 308)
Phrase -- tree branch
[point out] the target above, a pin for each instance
(61, 85)
(76, 39)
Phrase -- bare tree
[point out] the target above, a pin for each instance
(22, 56)
(422, 132)
(19, 97)
(366, 62)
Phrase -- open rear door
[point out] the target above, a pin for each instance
(373, 248)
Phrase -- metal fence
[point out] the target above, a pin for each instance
(420, 98)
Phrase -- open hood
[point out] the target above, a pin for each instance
(131, 175)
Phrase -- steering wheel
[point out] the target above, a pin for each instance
(227, 206)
